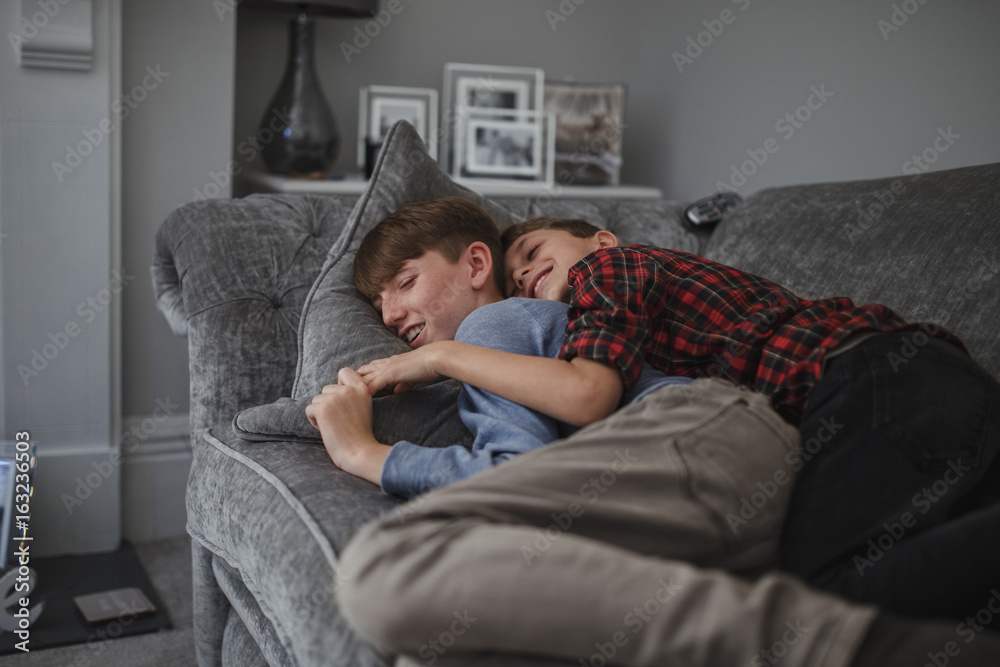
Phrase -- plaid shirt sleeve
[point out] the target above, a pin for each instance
(614, 297)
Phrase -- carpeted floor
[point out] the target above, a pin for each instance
(168, 564)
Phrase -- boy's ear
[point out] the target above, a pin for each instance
(481, 264)
(605, 239)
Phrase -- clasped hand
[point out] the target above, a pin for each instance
(342, 414)
(402, 371)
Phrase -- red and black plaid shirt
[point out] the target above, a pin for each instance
(693, 317)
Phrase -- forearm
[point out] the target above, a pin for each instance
(362, 458)
(411, 470)
(577, 392)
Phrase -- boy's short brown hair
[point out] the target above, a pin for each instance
(448, 225)
(578, 228)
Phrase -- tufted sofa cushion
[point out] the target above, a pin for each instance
(234, 281)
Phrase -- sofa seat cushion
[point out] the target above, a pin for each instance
(927, 246)
(276, 516)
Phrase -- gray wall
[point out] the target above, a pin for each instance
(172, 142)
(687, 129)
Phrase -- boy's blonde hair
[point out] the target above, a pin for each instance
(447, 225)
(579, 228)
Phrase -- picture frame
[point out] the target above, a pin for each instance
(470, 87)
(381, 106)
(500, 143)
(590, 123)
(497, 147)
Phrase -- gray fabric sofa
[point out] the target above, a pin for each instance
(259, 287)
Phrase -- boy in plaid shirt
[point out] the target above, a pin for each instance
(898, 479)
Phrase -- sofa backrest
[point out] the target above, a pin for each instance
(927, 246)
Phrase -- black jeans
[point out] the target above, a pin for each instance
(898, 499)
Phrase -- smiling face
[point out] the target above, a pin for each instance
(537, 264)
(429, 296)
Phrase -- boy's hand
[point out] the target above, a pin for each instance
(342, 414)
(402, 371)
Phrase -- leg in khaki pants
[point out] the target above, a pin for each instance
(593, 549)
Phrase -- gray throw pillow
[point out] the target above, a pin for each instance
(340, 328)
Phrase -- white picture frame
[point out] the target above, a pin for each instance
(470, 87)
(497, 147)
(474, 93)
(529, 153)
(381, 106)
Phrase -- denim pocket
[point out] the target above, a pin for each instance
(930, 401)
(740, 471)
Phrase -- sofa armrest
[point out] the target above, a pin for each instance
(232, 275)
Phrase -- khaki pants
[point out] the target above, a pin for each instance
(616, 546)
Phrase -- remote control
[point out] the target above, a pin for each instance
(710, 210)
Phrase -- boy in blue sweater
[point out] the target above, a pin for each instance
(429, 290)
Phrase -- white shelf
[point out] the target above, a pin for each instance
(355, 184)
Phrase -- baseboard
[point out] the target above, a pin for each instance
(156, 452)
